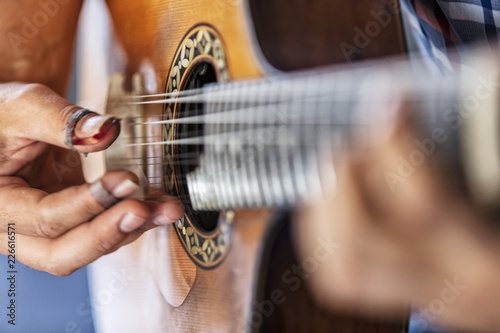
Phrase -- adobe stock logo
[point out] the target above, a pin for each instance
(31, 25)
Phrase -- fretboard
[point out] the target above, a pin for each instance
(274, 142)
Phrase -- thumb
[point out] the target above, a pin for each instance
(54, 120)
(87, 131)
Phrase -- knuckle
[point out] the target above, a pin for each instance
(47, 224)
(34, 89)
(89, 205)
(47, 229)
(105, 246)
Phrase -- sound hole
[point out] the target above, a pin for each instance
(188, 155)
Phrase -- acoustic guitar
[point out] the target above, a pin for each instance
(212, 115)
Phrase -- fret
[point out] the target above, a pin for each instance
(238, 183)
(214, 163)
(281, 158)
(272, 160)
(310, 133)
(256, 186)
(229, 157)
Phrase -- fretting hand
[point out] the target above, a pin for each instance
(414, 242)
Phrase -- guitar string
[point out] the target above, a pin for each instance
(223, 117)
(193, 162)
(228, 112)
(333, 74)
(174, 93)
(227, 139)
(266, 116)
(411, 95)
(253, 131)
(218, 97)
(183, 156)
(228, 96)
(189, 158)
(286, 96)
(271, 121)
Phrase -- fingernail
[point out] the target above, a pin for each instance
(162, 220)
(167, 218)
(93, 129)
(125, 188)
(92, 125)
(130, 222)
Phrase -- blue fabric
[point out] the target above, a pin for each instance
(447, 26)
(421, 325)
(46, 303)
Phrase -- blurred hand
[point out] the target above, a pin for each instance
(416, 241)
(60, 226)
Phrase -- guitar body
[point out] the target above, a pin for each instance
(225, 277)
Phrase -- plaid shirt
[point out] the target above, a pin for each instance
(443, 27)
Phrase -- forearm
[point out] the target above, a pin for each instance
(38, 41)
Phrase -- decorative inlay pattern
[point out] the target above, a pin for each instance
(202, 43)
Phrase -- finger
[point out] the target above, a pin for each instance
(364, 253)
(44, 116)
(164, 210)
(115, 227)
(399, 193)
(53, 214)
(83, 244)
(90, 133)
(375, 251)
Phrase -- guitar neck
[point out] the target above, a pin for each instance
(274, 142)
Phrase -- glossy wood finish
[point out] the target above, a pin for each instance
(152, 30)
(296, 34)
(220, 299)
